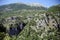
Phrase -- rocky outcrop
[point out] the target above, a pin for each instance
(47, 20)
(16, 30)
(12, 26)
(39, 26)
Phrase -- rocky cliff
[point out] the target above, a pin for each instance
(44, 26)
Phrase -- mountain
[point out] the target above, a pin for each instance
(40, 25)
(55, 8)
(35, 4)
(19, 6)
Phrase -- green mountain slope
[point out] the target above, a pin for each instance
(55, 8)
(17, 6)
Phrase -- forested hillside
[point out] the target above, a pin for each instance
(23, 22)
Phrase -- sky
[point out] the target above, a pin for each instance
(46, 3)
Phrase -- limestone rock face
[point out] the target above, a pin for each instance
(47, 20)
(42, 27)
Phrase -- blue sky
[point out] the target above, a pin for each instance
(46, 3)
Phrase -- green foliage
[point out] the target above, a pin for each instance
(31, 17)
(2, 35)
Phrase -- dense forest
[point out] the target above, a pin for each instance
(25, 22)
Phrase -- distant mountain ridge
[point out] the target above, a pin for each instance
(17, 6)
